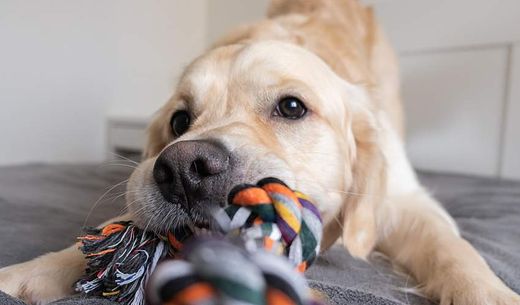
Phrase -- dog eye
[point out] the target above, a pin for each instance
(180, 122)
(290, 108)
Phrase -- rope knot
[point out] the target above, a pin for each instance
(243, 277)
(272, 216)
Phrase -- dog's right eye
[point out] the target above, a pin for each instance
(180, 122)
(290, 108)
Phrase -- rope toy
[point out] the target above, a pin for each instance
(219, 272)
(267, 233)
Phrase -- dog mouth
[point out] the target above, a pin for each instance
(199, 220)
(196, 217)
(151, 212)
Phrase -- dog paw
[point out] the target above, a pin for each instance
(32, 283)
(482, 298)
(479, 293)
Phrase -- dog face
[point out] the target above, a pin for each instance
(242, 113)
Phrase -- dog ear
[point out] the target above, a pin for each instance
(366, 179)
(366, 193)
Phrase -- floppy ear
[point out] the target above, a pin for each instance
(366, 190)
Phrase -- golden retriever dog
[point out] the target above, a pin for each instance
(311, 96)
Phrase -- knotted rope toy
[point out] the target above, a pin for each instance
(267, 233)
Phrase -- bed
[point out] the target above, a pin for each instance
(43, 207)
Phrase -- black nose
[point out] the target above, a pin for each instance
(188, 169)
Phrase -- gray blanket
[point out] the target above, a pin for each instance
(42, 209)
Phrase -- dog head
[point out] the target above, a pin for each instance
(244, 112)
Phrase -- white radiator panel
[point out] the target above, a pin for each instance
(454, 108)
(511, 161)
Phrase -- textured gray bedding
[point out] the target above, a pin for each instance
(43, 207)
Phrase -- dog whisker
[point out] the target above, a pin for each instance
(338, 221)
(120, 164)
(332, 190)
(130, 204)
(124, 158)
(124, 193)
(101, 198)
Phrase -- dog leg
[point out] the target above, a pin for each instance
(424, 239)
(46, 278)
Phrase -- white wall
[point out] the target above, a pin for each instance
(54, 79)
(223, 15)
(155, 40)
(65, 64)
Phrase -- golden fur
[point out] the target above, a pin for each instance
(347, 153)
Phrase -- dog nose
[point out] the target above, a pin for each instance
(189, 168)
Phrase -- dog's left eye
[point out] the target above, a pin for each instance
(180, 122)
(290, 108)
